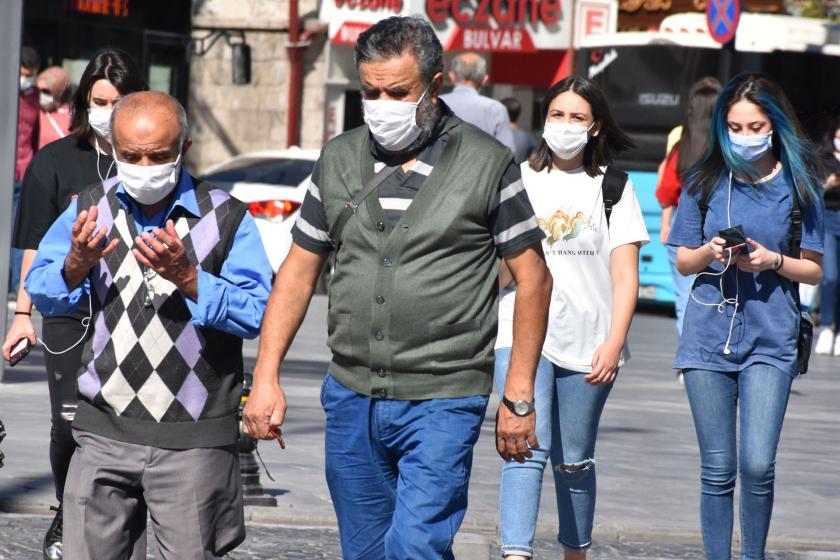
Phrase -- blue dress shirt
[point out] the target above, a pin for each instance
(233, 302)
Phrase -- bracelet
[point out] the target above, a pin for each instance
(777, 262)
(23, 313)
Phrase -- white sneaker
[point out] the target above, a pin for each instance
(837, 345)
(825, 342)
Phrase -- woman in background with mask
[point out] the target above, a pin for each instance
(739, 341)
(689, 148)
(56, 174)
(54, 118)
(595, 266)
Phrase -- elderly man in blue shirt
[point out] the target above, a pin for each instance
(175, 276)
(468, 72)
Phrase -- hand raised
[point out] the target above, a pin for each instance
(163, 251)
(87, 246)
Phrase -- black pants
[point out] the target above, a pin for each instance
(59, 334)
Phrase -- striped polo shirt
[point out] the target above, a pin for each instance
(510, 216)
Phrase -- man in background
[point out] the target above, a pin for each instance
(469, 74)
(27, 140)
(523, 140)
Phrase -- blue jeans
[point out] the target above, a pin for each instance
(682, 286)
(829, 302)
(568, 411)
(762, 393)
(398, 471)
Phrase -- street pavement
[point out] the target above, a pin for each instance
(648, 464)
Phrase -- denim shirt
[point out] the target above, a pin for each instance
(765, 328)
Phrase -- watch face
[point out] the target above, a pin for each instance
(521, 408)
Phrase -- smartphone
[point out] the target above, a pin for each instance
(733, 236)
(19, 351)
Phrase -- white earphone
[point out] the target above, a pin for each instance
(721, 306)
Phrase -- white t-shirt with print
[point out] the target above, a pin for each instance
(570, 210)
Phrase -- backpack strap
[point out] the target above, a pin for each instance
(703, 205)
(350, 207)
(795, 227)
(612, 187)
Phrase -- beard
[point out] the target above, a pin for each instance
(427, 118)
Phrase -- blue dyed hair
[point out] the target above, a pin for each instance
(791, 146)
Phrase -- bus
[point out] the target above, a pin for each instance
(646, 77)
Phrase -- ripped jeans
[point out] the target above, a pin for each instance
(568, 412)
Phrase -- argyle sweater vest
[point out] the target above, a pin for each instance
(149, 376)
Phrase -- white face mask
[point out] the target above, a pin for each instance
(148, 184)
(393, 123)
(27, 82)
(751, 148)
(99, 119)
(566, 140)
(47, 101)
(837, 144)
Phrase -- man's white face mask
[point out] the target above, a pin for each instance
(393, 123)
(148, 184)
(99, 119)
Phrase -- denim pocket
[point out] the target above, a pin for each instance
(323, 389)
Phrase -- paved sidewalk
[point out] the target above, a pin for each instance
(648, 462)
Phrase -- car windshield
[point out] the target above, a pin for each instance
(272, 172)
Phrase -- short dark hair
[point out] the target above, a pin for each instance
(514, 108)
(114, 65)
(600, 150)
(393, 36)
(29, 58)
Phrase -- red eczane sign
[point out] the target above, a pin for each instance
(494, 25)
(503, 12)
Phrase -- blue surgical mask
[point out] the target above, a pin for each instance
(751, 148)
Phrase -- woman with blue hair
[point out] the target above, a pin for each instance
(736, 229)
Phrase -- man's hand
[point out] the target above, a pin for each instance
(86, 247)
(514, 434)
(21, 328)
(265, 410)
(163, 251)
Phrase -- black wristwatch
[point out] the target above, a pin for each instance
(520, 407)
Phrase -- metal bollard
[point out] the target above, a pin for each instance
(253, 493)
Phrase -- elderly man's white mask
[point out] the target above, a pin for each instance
(149, 184)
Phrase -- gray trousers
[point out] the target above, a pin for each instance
(194, 498)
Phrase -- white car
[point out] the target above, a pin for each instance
(273, 184)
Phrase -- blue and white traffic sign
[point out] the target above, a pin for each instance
(722, 18)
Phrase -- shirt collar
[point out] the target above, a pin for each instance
(465, 89)
(184, 196)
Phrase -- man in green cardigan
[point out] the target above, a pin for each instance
(419, 208)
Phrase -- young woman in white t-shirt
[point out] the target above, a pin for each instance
(596, 280)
